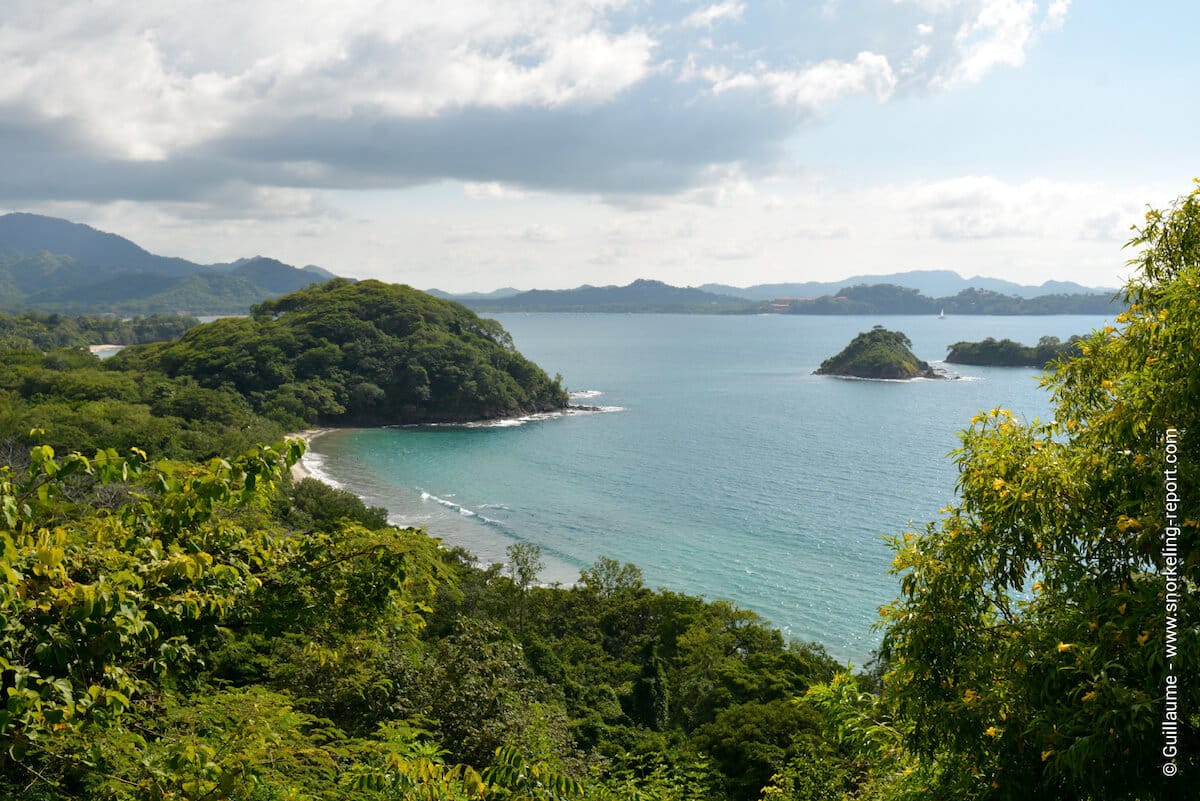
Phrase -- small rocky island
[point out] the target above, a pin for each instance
(880, 354)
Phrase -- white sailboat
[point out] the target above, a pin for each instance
(942, 314)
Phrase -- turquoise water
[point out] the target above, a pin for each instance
(721, 466)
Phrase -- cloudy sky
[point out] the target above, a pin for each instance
(473, 144)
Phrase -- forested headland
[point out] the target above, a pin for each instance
(991, 352)
(179, 619)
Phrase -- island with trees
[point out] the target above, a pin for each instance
(1007, 353)
(878, 354)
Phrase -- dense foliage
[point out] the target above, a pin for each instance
(1045, 642)
(359, 353)
(211, 630)
(878, 353)
(1007, 353)
(42, 331)
(191, 631)
(77, 402)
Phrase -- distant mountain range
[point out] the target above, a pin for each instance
(640, 296)
(662, 297)
(52, 264)
(56, 265)
(816, 298)
(932, 283)
(496, 294)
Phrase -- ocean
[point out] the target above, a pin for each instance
(718, 464)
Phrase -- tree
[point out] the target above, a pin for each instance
(1028, 646)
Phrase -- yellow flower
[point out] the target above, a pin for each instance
(997, 483)
(1047, 754)
(992, 731)
(1162, 314)
(1088, 696)
(1121, 608)
(1145, 635)
(1106, 384)
(1139, 460)
(1065, 646)
(970, 696)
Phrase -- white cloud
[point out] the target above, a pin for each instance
(916, 58)
(1027, 231)
(998, 36)
(705, 17)
(542, 234)
(1056, 15)
(815, 85)
(988, 208)
(1113, 226)
(146, 81)
(491, 190)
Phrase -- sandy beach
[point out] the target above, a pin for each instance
(299, 471)
(104, 350)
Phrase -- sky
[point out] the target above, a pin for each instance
(474, 144)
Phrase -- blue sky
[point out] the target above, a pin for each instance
(547, 143)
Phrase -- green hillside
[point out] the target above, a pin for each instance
(360, 353)
(879, 354)
(56, 265)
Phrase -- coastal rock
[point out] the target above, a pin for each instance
(879, 354)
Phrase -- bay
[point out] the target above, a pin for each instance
(721, 466)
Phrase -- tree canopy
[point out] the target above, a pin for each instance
(359, 353)
(878, 353)
(1007, 353)
(1044, 619)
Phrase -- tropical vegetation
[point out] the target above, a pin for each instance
(184, 623)
(364, 353)
(46, 331)
(1007, 353)
(878, 353)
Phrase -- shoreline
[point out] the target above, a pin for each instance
(299, 470)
